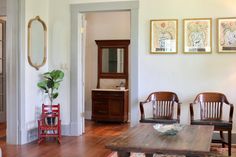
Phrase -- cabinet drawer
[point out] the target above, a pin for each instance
(100, 102)
(106, 94)
(100, 110)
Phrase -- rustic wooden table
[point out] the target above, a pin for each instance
(192, 140)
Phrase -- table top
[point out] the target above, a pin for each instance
(192, 139)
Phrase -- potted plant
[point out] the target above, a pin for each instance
(50, 84)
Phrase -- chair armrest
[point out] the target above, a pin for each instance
(141, 107)
(191, 112)
(142, 110)
(178, 111)
(231, 111)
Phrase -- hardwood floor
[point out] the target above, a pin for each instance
(91, 144)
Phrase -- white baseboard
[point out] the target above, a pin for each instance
(32, 135)
(65, 130)
(74, 129)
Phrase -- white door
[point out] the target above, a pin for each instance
(2, 71)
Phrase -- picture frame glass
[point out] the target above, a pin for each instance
(197, 36)
(164, 36)
(226, 35)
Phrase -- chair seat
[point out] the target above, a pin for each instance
(55, 127)
(155, 120)
(218, 124)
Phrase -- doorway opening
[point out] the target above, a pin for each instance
(109, 25)
(2, 79)
(77, 60)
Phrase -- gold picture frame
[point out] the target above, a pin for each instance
(226, 35)
(164, 36)
(197, 36)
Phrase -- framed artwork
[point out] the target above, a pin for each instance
(197, 35)
(164, 36)
(226, 34)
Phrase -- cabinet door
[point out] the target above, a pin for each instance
(100, 107)
(116, 107)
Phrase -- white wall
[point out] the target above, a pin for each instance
(58, 35)
(94, 1)
(101, 26)
(185, 74)
(3, 6)
(33, 96)
(59, 51)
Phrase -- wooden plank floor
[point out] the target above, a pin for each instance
(90, 144)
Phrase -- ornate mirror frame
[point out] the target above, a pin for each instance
(113, 44)
(37, 66)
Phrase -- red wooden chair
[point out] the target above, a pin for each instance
(45, 129)
(211, 113)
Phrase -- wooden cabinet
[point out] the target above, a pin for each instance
(110, 105)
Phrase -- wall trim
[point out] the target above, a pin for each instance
(14, 69)
(65, 130)
(32, 135)
(74, 129)
(76, 77)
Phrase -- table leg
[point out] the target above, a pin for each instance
(123, 154)
(148, 155)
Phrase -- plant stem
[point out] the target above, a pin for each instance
(51, 99)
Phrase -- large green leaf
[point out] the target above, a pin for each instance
(42, 85)
(50, 84)
(57, 74)
(46, 75)
(56, 85)
(61, 75)
(54, 95)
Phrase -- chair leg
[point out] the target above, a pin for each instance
(229, 143)
(222, 139)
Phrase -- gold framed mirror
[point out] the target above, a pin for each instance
(37, 42)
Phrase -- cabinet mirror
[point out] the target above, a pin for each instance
(37, 42)
(112, 59)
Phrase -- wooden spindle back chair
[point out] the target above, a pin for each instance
(211, 113)
(162, 106)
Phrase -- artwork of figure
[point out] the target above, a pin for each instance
(227, 35)
(230, 38)
(197, 35)
(197, 39)
(163, 36)
(228, 32)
